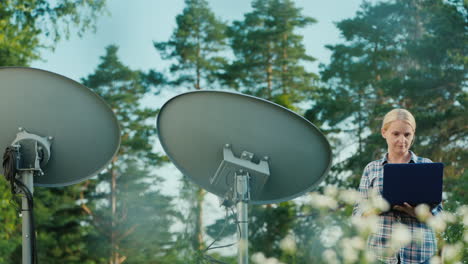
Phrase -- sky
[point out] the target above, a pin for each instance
(134, 25)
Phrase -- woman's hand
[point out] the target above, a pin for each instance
(406, 208)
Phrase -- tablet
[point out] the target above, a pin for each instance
(414, 183)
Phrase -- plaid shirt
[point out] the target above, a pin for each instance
(415, 251)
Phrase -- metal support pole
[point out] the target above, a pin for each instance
(242, 189)
(27, 179)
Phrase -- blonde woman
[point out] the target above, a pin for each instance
(398, 129)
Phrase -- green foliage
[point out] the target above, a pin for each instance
(269, 53)
(195, 45)
(268, 225)
(59, 226)
(27, 26)
(397, 53)
(131, 216)
(10, 235)
(381, 66)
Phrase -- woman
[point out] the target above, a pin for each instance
(398, 129)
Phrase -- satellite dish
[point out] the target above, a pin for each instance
(83, 131)
(243, 149)
(60, 132)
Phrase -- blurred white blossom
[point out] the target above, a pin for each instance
(288, 244)
(323, 201)
(330, 257)
(437, 223)
(378, 202)
(331, 191)
(349, 196)
(350, 254)
(447, 217)
(365, 225)
(418, 235)
(351, 248)
(451, 252)
(331, 235)
(436, 260)
(358, 243)
(260, 258)
(423, 212)
(401, 236)
(462, 211)
(370, 256)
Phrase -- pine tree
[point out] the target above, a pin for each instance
(28, 26)
(406, 54)
(381, 66)
(124, 203)
(268, 63)
(196, 45)
(269, 54)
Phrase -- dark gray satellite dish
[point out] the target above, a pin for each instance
(62, 132)
(243, 149)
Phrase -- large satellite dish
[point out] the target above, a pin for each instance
(243, 149)
(84, 131)
(62, 132)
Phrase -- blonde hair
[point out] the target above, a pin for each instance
(399, 114)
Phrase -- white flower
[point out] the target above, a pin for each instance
(350, 255)
(331, 235)
(463, 212)
(366, 225)
(358, 243)
(349, 196)
(401, 236)
(288, 244)
(380, 203)
(447, 217)
(330, 257)
(437, 223)
(423, 212)
(451, 252)
(259, 258)
(370, 256)
(331, 191)
(366, 206)
(351, 248)
(418, 235)
(436, 260)
(322, 201)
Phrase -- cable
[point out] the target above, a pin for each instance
(210, 247)
(226, 219)
(9, 167)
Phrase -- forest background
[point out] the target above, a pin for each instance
(409, 54)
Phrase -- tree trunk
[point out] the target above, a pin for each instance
(198, 238)
(284, 66)
(115, 257)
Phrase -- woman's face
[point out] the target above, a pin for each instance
(399, 136)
